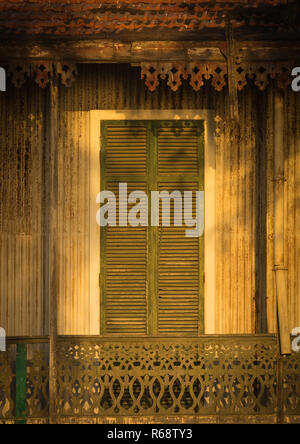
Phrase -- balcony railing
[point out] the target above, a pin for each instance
(211, 378)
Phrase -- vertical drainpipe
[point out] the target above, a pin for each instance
(280, 269)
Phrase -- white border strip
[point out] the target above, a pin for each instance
(96, 116)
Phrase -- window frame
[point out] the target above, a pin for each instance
(207, 116)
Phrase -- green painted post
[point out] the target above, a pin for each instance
(21, 408)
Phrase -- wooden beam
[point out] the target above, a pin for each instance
(93, 51)
(53, 253)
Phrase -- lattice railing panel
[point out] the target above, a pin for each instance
(144, 378)
(230, 376)
(291, 385)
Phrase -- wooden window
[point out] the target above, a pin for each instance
(152, 277)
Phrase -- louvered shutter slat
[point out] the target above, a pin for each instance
(178, 256)
(125, 257)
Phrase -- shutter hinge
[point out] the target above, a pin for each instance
(203, 277)
(99, 279)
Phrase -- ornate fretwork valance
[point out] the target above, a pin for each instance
(196, 73)
(42, 72)
(176, 72)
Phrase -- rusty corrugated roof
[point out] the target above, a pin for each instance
(75, 18)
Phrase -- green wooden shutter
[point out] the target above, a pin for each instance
(180, 259)
(124, 249)
(152, 278)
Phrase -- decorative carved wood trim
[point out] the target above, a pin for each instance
(18, 73)
(67, 73)
(176, 72)
(42, 72)
(261, 73)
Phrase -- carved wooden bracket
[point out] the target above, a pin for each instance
(217, 73)
(42, 72)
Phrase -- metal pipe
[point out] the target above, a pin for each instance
(279, 261)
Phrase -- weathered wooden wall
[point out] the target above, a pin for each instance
(23, 134)
(244, 192)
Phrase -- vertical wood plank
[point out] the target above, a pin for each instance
(271, 298)
(94, 229)
(53, 250)
(210, 305)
